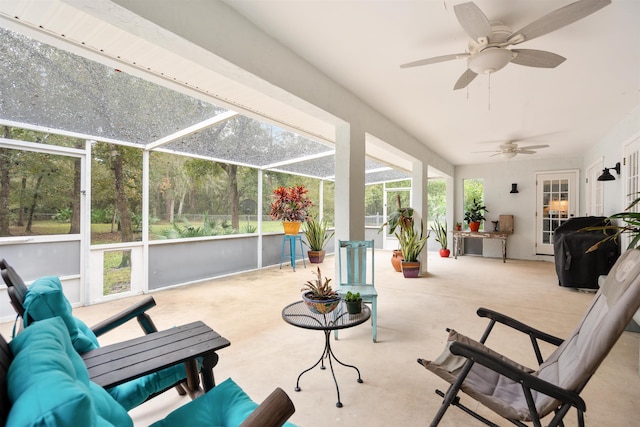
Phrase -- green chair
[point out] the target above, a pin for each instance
(356, 274)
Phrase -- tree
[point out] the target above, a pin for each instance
(436, 202)
(5, 182)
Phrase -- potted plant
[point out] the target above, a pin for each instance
(317, 235)
(630, 226)
(354, 302)
(412, 243)
(441, 237)
(291, 206)
(400, 219)
(475, 214)
(458, 226)
(318, 295)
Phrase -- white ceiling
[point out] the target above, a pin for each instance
(360, 44)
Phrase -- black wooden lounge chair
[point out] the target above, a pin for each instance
(17, 289)
(128, 397)
(520, 394)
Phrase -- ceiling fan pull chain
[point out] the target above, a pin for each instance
(489, 97)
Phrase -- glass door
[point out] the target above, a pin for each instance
(556, 203)
(631, 174)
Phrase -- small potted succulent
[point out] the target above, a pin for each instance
(317, 235)
(354, 302)
(291, 206)
(318, 295)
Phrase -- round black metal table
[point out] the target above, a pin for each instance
(298, 314)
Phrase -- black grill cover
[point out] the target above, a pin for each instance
(575, 267)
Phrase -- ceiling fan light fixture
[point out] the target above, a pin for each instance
(508, 154)
(489, 60)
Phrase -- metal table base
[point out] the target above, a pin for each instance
(328, 354)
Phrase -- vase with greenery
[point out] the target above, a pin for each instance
(354, 302)
(400, 220)
(412, 243)
(318, 295)
(317, 235)
(290, 205)
(475, 214)
(441, 237)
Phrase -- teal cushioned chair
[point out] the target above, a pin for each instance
(47, 384)
(226, 405)
(45, 299)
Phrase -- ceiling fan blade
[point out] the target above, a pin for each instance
(473, 21)
(525, 152)
(557, 19)
(434, 60)
(537, 58)
(464, 80)
(533, 147)
(487, 151)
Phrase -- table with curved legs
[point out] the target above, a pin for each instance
(297, 314)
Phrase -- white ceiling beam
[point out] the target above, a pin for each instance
(192, 129)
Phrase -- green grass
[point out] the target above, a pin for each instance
(116, 279)
(101, 233)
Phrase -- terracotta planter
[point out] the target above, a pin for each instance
(316, 257)
(291, 227)
(410, 270)
(474, 226)
(396, 260)
(444, 253)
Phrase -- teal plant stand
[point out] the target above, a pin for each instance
(292, 239)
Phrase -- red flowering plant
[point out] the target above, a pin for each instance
(290, 204)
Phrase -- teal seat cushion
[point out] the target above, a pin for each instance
(48, 383)
(45, 299)
(135, 392)
(226, 405)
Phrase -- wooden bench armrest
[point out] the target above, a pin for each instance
(274, 411)
(137, 311)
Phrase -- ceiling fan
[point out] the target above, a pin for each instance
(488, 51)
(510, 149)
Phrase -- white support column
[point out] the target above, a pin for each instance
(419, 195)
(85, 225)
(259, 218)
(145, 220)
(321, 200)
(349, 193)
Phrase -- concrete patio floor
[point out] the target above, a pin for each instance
(266, 352)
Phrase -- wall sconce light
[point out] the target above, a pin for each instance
(514, 188)
(606, 175)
